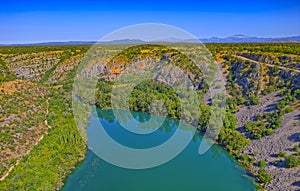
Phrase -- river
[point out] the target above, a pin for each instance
(216, 170)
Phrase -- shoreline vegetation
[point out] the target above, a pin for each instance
(62, 149)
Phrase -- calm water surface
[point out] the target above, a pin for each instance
(216, 170)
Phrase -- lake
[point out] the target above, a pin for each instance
(215, 170)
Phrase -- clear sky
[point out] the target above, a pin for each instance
(45, 20)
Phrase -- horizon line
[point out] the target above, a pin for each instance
(132, 39)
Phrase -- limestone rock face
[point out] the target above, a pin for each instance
(32, 66)
(165, 69)
(246, 76)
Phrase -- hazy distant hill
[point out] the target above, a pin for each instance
(238, 38)
(242, 38)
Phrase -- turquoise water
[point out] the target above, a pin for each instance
(216, 170)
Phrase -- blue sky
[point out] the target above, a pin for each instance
(44, 20)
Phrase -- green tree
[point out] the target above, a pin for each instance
(230, 121)
(262, 163)
(263, 176)
(254, 100)
(292, 161)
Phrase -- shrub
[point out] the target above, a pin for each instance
(267, 132)
(230, 121)
(263, 176)
(246, 161)
(257, 129)
(232, 139)
(281, 154)
(254, 100)
(262, 163)
(280, 105)
(268, 90)
(276, 124)
(292, 161)
(289, 110)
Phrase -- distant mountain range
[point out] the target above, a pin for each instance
(242, 38)
(238, 38)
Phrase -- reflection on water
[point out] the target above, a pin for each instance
(214, 171)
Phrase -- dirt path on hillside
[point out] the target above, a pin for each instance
(270, 65)
(36, 143)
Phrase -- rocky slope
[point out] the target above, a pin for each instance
(22, 122)
(283, 140)
(32, 66)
